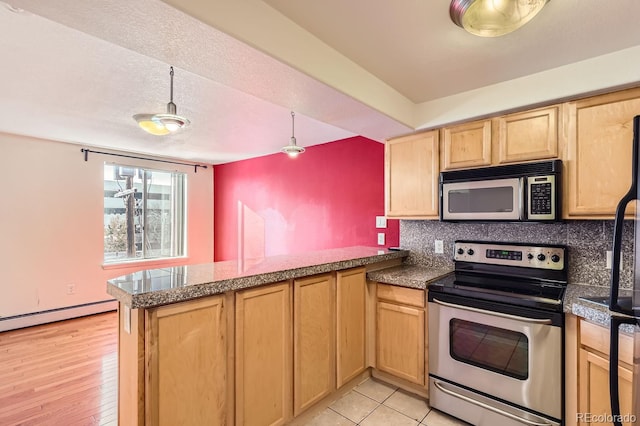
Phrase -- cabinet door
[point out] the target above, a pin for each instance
(466, 145)
(186, 359)
(263, 355)
(314, 372)
(594, 387)
(350, 324)
(598, 153)
(411, 176)
(400, 341)
(530, 135)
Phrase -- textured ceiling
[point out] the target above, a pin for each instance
(77, 71)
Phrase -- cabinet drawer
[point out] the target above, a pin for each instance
(403, 295)
(597, 337)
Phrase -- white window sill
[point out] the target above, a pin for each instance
(147, 264)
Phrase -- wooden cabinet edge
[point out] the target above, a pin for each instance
(131, 366)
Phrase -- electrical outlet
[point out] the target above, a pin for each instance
(71, 289)
(610, 259)
(381, 238)
(438, 247)
(381, 222)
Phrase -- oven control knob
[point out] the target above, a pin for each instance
(555, 258)
(541, 257)
(470, 252)
(529, 256)
(460, 251)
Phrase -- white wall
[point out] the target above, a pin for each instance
(51, 223)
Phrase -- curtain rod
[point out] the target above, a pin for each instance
(87, 151)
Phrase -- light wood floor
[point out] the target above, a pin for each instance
(63, 373)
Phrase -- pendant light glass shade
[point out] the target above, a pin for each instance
(162, 124)
(292, 150)
(493, 18)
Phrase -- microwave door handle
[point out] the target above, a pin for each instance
(521, 199)
(631, 195)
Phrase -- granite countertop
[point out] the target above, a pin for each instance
(154, 287)
(416, 276)
(413, 276)
(596, 312)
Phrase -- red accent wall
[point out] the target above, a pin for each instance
(328, 197)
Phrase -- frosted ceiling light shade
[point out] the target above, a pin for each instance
(493, 18)
(292, 150)
(162, 124)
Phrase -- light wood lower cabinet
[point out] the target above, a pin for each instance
(263, 355)
(350, 324)
(186, 363)
(314, 340)
(593, 373)
(400, 333)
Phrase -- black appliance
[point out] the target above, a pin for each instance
(625, 310)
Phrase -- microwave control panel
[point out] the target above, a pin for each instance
(541, 198)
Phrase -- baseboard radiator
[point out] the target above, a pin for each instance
(53, 315)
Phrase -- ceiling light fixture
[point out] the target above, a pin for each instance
(493, 18)
(162, 124)
(292, 150)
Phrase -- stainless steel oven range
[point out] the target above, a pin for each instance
(496, 334)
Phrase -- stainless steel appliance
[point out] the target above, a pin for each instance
(626, 310)
(517, 192)
(498, 356)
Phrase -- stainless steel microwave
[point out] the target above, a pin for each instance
(527, 192)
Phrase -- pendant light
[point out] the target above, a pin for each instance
(493, 18)
(292, 150)
(162, 124)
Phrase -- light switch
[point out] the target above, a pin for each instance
(381, 222)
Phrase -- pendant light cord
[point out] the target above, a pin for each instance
(171, 90)
(293, 117)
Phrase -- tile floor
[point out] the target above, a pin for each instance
(374, 403)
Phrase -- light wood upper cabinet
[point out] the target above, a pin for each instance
(466, 145)
(411, 176)
(400, 333)
(314, 350)
(594, 372)
(597, 157)
(524, 136)
(351, 324)
(186, 363)
(263, 355)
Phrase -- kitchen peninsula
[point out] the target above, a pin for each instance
(243, 342)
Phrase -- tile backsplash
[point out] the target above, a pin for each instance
(587, 243)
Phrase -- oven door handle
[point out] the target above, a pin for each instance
(488, 407)
(494, 314)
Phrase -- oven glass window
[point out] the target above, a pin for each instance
(481, 200)
(503, 351)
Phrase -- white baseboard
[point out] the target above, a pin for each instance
(37, 318)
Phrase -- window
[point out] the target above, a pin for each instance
(144, 213)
